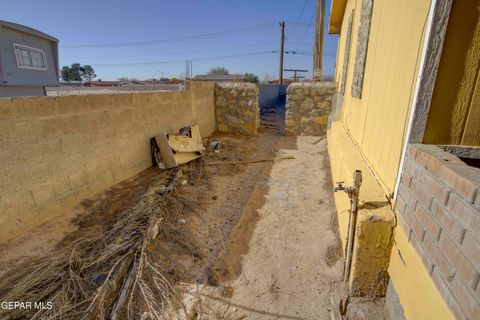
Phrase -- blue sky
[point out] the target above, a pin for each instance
(174, 31)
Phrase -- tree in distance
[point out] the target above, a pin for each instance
(77, 72)
(251, 77)
(218, 71)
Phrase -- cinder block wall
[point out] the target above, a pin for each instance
(438, 206)
(203, 105)
(57, 151)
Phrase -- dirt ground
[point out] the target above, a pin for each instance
(254, 241)
(293, 255)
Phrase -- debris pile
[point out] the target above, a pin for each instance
(114, 273)
(172, 150)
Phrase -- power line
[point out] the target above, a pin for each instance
(301, 14)
(183, 60)
(299, 24)
(295, 52)
(167, 53)
(150, 42)
(298, 52)
(305, 34)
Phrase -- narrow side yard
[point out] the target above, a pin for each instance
(239, 241)
(294, 256)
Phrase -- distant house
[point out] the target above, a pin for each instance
(28, 61)
(220, 77)
(103, 84)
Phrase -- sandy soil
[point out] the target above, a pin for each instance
(284, 255)
(290, 265)
(256, 241)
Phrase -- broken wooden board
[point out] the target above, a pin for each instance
(183, 143)
(184, 157)
(168, 158)
(179, 149)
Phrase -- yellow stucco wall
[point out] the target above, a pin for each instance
(454, 116)
(377, 124)
(57, 151)
(378, 120)
(417, 292)
(371, 249)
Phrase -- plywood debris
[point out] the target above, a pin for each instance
(177, 149)
(187, 143)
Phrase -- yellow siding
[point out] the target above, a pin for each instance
(377, 121)
(454, 116)
(416, 290)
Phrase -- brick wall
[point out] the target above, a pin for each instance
(57, 151)
(438, 206)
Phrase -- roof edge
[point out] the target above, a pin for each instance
(337, 11)
(20, 27)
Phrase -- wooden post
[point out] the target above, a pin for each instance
(318, 43)
(282, 46)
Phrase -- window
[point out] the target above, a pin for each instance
(362, 44)
(347, 53)
(30, 58)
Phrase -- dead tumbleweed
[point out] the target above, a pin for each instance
(111, 274)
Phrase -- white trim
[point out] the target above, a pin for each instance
(433, 5)
(20, 66)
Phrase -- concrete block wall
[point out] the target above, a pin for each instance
(308, 107)
(203, 105)
(236, 107)
(438, 206)
(57, 151)
(76, 90)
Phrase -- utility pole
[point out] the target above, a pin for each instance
(318, 43)
(295, 71)
(282, 45)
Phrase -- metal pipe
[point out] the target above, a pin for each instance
(353, 194)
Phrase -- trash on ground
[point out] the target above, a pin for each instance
(172, 150)
(250, 161)
(215, 145)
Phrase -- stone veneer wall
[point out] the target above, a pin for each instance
(308, 107)
(438, 206)
(236, 107)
